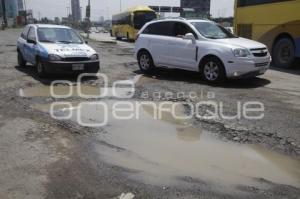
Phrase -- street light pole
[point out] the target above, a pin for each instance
(68, 15)
(25, 10)
(88, 16)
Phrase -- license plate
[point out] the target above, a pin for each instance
(78, 67)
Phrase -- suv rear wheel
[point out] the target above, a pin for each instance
(213, 70)
(145, 62)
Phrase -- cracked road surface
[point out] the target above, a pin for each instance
(148, 156)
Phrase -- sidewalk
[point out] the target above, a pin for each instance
(101, 37)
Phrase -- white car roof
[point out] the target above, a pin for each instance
(199, 20)
(179, 19)
(49, 26)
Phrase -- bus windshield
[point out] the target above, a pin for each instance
(142, 17)
(212, 30)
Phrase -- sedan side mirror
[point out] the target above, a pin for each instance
(190, 36)
(31, 41)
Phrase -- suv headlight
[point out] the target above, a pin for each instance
(240, 52)
(94, 57)
(53, 57)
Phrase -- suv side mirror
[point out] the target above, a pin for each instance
(229, 29)
(31, 41)
(190, 36)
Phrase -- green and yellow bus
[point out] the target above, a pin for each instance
(275, 23)
(127, 24)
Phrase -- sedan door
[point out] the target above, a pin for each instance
(22, 41)
(30, 48)
(184, 53)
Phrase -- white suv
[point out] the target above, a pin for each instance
(199, 45)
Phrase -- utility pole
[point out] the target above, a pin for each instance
(4, 13)
(25, 11)
(68, 11)
(39, 14)
(120, 5)
(88, 17)
(68, 15)
(108, 12)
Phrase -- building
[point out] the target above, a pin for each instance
(57, 20)
(101, 19)
(20, 5)
(11, 8)
(195, 8)
(76, 11)
(65, 20)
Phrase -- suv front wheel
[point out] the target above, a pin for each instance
(213, 70)
(145, 62)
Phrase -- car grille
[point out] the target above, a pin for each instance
(76, 59)
(261, 64)
(259, 52)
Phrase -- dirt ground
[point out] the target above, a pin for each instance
(42, 157)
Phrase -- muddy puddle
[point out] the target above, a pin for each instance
(158, 143)
(59, 91)
(122, 89)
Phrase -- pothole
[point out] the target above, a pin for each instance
(162, 141)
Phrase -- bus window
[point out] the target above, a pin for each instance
(242, 3)
(141, 18)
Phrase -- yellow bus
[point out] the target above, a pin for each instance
(127, 24)
(275, 23)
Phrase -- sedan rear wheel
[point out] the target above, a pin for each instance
(21, 61)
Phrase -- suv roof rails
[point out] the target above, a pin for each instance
(180, 18)
(199, 18)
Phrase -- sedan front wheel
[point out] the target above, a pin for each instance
(40, 69)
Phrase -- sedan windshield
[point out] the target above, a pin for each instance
(212, 30)
(58, 35)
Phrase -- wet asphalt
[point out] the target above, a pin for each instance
(42, 157)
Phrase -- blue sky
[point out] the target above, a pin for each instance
(52, 8)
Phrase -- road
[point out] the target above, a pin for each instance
(147, 157)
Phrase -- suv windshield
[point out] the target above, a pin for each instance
(212, 31)
(58, 35)
(141, 18)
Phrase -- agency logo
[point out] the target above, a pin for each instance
(117, 102)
